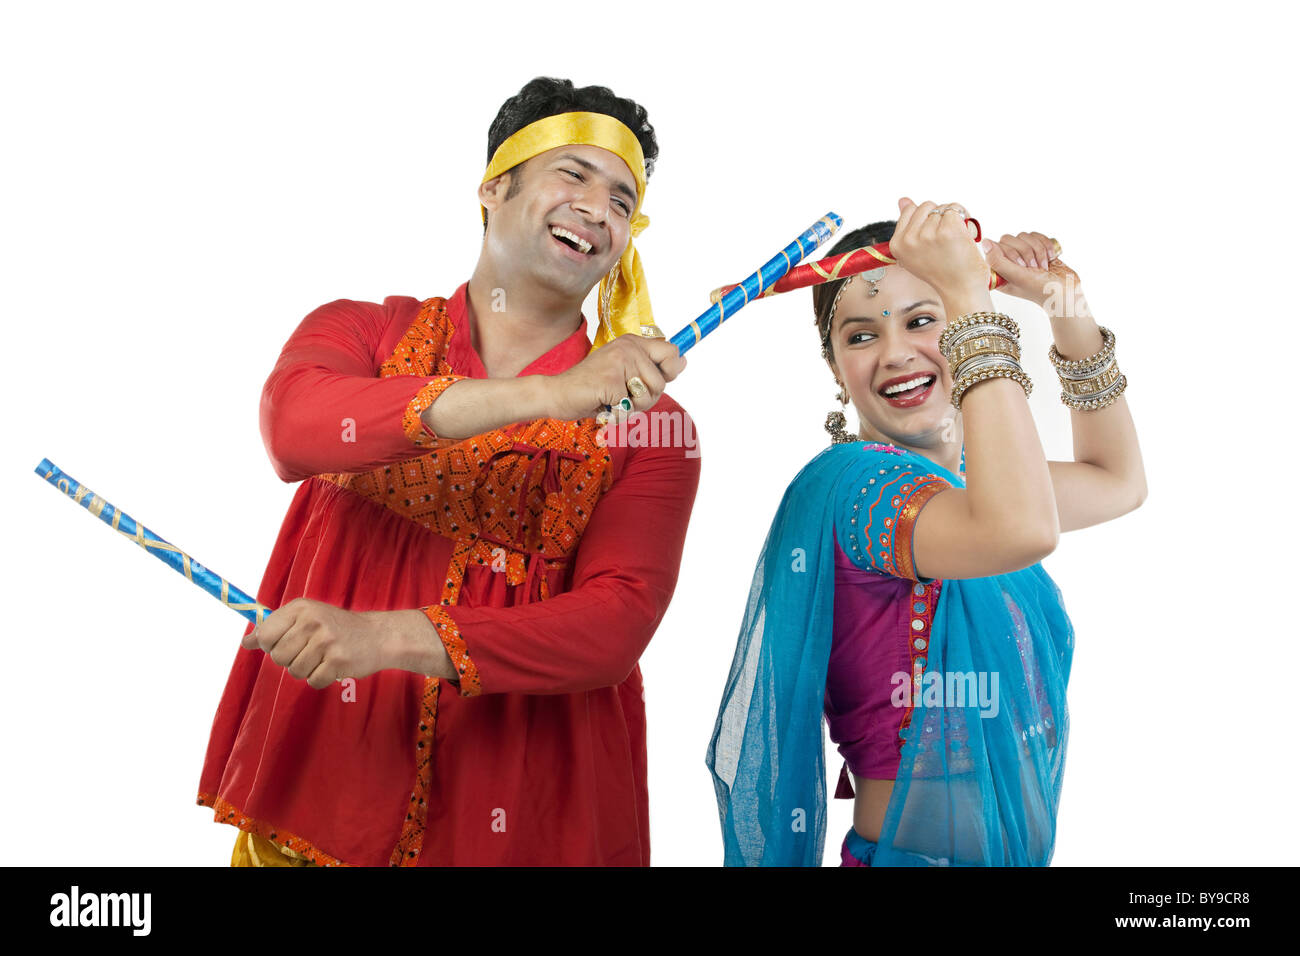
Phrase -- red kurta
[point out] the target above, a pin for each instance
(544, 558)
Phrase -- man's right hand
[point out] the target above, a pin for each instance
(601, 379)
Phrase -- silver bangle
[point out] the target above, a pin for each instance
(981, 362)
(1083, 374)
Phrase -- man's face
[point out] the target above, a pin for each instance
(567, 219)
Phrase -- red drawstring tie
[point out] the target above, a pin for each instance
(549, 460)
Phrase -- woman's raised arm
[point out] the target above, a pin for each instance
(1106, 478)
(1005, 518)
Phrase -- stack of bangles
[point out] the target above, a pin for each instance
(985, 345)
(1092, 382)
(980, 346)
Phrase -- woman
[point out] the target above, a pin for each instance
(899, 588)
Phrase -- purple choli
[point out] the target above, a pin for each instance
(880, 635)
(882, 624)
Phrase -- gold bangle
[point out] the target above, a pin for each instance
(1091, 387)
(977, 318)
(984, 345)
(1103, 399)
(1009, 370)
(1090, 364)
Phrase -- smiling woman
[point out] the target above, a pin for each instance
(923, 538)
(880, 335)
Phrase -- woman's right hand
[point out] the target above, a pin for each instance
(934, 243)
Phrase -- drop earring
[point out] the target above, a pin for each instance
(835, 421)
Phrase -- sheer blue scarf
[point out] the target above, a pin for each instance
(977, 785)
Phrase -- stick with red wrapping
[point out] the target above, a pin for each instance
(841, 267)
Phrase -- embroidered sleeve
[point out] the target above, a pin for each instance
(877, 508)
(456, 649)
(326, 408)
(412, 422)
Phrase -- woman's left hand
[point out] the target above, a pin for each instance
(1033, 270)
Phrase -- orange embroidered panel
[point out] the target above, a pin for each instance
(411, 840)
(927, 487)
(513, 496)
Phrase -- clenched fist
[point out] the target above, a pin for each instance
(321, 643)
(602, 378)
(934, 244)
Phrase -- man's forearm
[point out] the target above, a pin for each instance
(474, 406)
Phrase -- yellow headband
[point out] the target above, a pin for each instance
(623, 301)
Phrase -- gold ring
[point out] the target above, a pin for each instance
(636, 388)
(1056, 249)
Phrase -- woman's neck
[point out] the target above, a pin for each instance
(945, 448)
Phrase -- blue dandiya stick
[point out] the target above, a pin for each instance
(754, 286)
(124, 524)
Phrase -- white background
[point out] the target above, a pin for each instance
(184, 182)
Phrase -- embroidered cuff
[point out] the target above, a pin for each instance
(456, 649)
(907, 515)
(413, 424)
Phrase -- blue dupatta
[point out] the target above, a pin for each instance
(976, 786)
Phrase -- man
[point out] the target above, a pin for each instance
(470, 570)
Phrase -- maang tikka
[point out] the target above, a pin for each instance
(873, 276)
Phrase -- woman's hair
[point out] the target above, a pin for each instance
(825, 293)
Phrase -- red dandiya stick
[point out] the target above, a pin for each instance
(841, 267)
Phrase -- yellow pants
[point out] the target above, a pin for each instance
(253, 850)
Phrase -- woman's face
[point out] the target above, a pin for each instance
(886, 349)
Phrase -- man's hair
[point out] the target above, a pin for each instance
(824, 293)
(546, 96)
